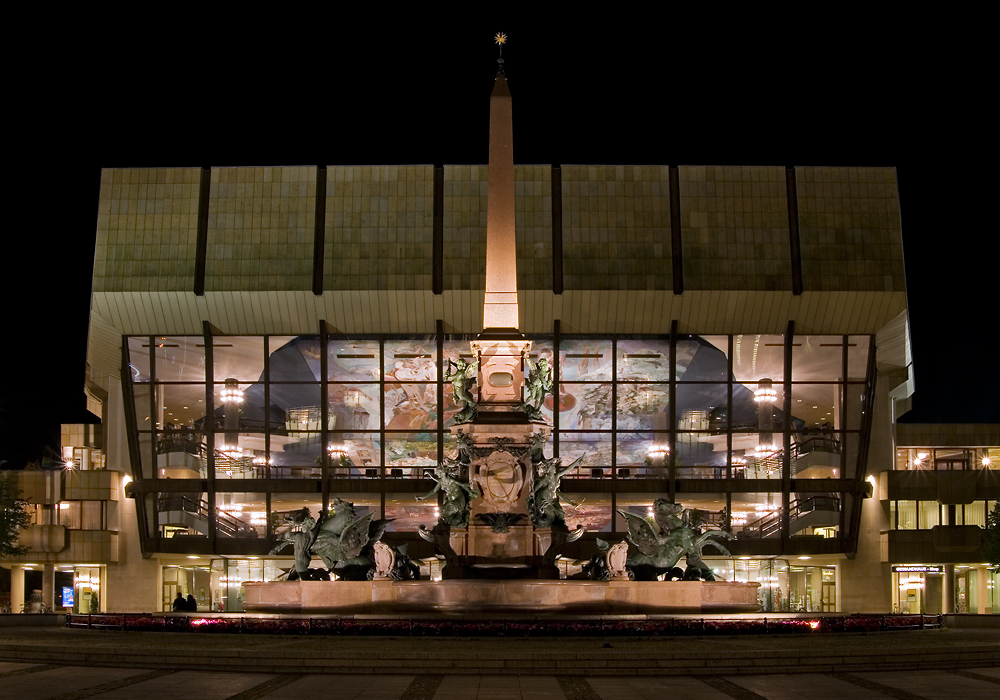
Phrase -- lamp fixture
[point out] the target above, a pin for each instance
(232, 394)
(765, 392)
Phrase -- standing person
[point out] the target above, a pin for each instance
(192, 604)
(179, 603)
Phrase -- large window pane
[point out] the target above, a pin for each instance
(816, 456)
(411, 406)
(354, 406)
(702, 359)
(408, 454)
(756, 515)
(179, 358)
(355, 455)
(857, 356)
(643, 453)
(700, 455)
(241, 515)
(591, 407)
(411, 360)
(644, 360)
(238, 357)
(353, 360)
(817, 406)
(182, 514)
(585, 360)
(138, 357)
(817, 358)
(643, 406)
(144, 416)
(181, 455)
(758, 356)
(181, 406)
(595, 448)
(297, 360)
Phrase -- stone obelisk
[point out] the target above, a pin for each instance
(501, 348)
(500, 308)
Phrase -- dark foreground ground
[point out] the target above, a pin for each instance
(46, 663)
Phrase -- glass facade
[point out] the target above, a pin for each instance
(763, 433)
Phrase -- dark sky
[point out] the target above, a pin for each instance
(635, 94)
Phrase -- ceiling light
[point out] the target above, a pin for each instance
(765, 392)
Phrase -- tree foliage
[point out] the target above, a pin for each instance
(991, 537)
(12, 514)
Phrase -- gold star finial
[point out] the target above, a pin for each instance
(500, 38)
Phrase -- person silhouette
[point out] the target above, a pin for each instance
(179, 603)
(191, 604)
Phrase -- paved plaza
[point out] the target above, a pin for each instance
(54, 682)
(47, 664)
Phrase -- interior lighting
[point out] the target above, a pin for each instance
(805, 557)
(987, 461)
(63, 506)
(232, 394)
(231, 451)
(192, 556)
(765, 392)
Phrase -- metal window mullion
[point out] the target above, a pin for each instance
(134, 450)
(324, 416)
(843, 429)
(672, 432)
(152, 440)
(728, 525)
(268, 531)
(786, 457)
(614, 433)
(614, 409)
(381, 421)
(210, 432)
(556, 364)
(153, 403)
(439, 331)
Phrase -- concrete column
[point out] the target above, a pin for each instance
(948, 603)
(16, 587)
(49, 584)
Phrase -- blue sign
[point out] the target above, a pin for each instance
(67, 597)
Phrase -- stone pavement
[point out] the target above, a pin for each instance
(64, 664)
(19, 681)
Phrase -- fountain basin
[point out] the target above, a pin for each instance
(500, 597)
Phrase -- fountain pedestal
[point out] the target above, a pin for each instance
(507, 597)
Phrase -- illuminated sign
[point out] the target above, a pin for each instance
(67, 597)
(918, 569)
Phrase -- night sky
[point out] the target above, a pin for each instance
(386, 97)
